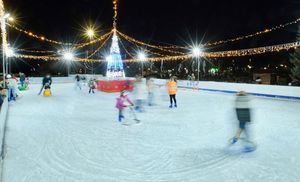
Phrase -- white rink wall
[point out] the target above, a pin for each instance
(3, 117)
(70, 79)
(274, 91)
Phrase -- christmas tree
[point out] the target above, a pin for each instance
(295, 60)
(115, 68)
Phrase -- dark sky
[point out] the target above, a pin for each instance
(169, 21)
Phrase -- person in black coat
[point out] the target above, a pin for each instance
(47, 81)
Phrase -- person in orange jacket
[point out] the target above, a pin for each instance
(172, 90)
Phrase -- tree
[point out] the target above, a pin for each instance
(295, 60)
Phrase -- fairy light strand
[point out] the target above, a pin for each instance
(34, 51)
(100, 47)
(268, 30)
(44, 39)
(219, 54)
(115, 9)
(130, 39)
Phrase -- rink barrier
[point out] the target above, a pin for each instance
(255, 94)
(3, 118)
(267, 91)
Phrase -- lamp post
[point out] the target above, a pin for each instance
(90, 33)
(3, 19)
(197, 54)
(9, 53)
(142, 57)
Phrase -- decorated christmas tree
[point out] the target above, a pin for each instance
(295, 60)
(115, 68)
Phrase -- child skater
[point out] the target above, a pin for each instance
(244, 118)
(122, 102)
(92, 85)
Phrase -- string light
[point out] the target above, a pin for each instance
(91, 55)
(268, 30)
(34, 51)
(231, 53)
(252, 51)
(52, 58)
(101, 38)
(115, 18)
(220, 54)
(132, 40)
(43, 38)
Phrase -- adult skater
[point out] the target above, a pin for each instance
(150, 88)
(12, 87)
(244, 118)
(172, 90)
(47, 81)
(122, 102)
(22, 79)
(140, 94)
(78, 82)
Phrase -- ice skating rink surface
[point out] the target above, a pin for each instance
(75, 137)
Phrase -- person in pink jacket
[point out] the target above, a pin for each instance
(122, 102)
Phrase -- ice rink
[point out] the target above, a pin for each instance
(75, 137)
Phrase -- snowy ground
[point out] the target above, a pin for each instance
(74, 137)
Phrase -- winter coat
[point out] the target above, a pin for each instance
(242, 102)
(12, 83)
(22, 78)
(77, 78)
(92, 84)
(172, 87)
(47, 80)
(140, 90)
(122, 102)
(150, 85)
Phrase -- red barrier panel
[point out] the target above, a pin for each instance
(114, 85)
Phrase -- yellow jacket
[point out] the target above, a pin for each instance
(172, 87)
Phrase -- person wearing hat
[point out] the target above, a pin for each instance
(122, 102)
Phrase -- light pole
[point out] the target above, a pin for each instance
(68, 56)
(197, 54)
(4, 41)
(142, 57)
(9, 53)
(90, 33)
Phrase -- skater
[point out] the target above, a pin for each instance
(92, 85)
(22, 79)
(193, 78)
(122, 102)
(140, 94)
(244, 118)
(150, 87)
(78, 82)
(12, 88)
(47, 80)
(172, 90)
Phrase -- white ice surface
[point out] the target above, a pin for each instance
(74, 137)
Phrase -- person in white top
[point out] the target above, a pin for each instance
(140, 92)
(150, 87)
(12, 86)
(244, 117)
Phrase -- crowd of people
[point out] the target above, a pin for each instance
(12, 86)
(143, 95)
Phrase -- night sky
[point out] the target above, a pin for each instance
(159, 21)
